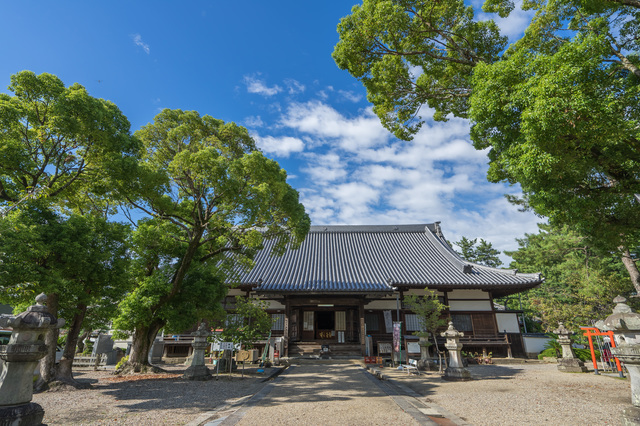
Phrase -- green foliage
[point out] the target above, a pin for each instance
(557, 110)
(429, 309)
(482, 254)
(212, 199)
(122, 362)
(248, 322)
(583, 355)
(580, 282)
(88, 348)
(62, 143)
(82, 259)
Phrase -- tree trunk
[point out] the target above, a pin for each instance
(48, 363)
(143, 338)
(632, 269)
(80, 344)
(64, 370)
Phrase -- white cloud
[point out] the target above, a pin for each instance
(279, 146)
(323, 121)
(294, 86)
(254, 121)
(255, 85)
(137, 40)
(512, 26)
(350, 96)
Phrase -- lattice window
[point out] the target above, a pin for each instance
(341, 320)
(308, 321)
(278, 322)
(372, 322)
(413, 322)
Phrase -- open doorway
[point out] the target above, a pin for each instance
(325, 325)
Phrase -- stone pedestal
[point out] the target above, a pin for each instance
(568, 363)
(21, 355)
(198, 370)
(455, 370)
(625, 325)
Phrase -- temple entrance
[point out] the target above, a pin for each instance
(325, 326)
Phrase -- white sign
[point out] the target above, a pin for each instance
(226, 346)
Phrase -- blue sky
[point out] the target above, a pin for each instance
(268, 66)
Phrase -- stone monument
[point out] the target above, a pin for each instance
(568, 363)
(197, 370)
(455, 370)
(625, 325)
(21, 355)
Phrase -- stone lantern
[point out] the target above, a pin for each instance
(197, 370)
(625, 325)
(21, 355)
(568, 363)
(455, 369)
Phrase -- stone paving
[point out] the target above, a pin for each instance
(330, 394)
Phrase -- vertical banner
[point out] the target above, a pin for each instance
(397, 326)
(387, 321)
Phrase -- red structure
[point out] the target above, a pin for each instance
(591, 332)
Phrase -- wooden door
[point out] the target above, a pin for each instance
(484, 324)
(308, 326)
(294, 333)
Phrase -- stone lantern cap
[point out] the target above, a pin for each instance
(35, 317)
(201, 331)
(562, 330)
(623, 318)
(452, 332)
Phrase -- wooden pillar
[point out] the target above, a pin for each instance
(287, 313)
(362, 327)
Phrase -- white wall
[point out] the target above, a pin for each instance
(469, 305)
(468, 294)
(381, 304)
(533, 345)
(508, 322)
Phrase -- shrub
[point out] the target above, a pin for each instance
(581, 354)
(121, 362)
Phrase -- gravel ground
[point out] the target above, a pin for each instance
(524, 394)
(164, 399)
(500, 395)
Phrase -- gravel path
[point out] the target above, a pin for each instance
(161, 400)
(524, 394)
(326, 394)
(343, 394)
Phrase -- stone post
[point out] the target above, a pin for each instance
(197, 370)
(455, 370)
(568, 363)
(21, 355)
(625, 325)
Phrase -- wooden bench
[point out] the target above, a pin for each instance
(488, 341)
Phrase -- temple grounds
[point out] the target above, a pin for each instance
(521, 394)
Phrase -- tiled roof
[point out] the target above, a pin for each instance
(371, 259)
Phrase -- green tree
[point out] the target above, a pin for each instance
(60, 143)
(218, 199)
(429, 309)
(482, 254)
(558, 109)
(68, 150)
(81, 262)
(247, 323)
(579, 281)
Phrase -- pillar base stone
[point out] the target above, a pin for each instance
(21, 415)
(571, 365)
(459, 374)
(197, 372)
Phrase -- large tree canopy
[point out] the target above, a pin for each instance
(212, 198)
(57, 140)
(559, 109)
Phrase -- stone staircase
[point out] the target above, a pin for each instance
(314, 350)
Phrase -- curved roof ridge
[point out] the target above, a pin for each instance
(372, 228)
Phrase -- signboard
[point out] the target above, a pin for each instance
(387, 321)
(413, 347)
(226, 346)
(397, 326)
